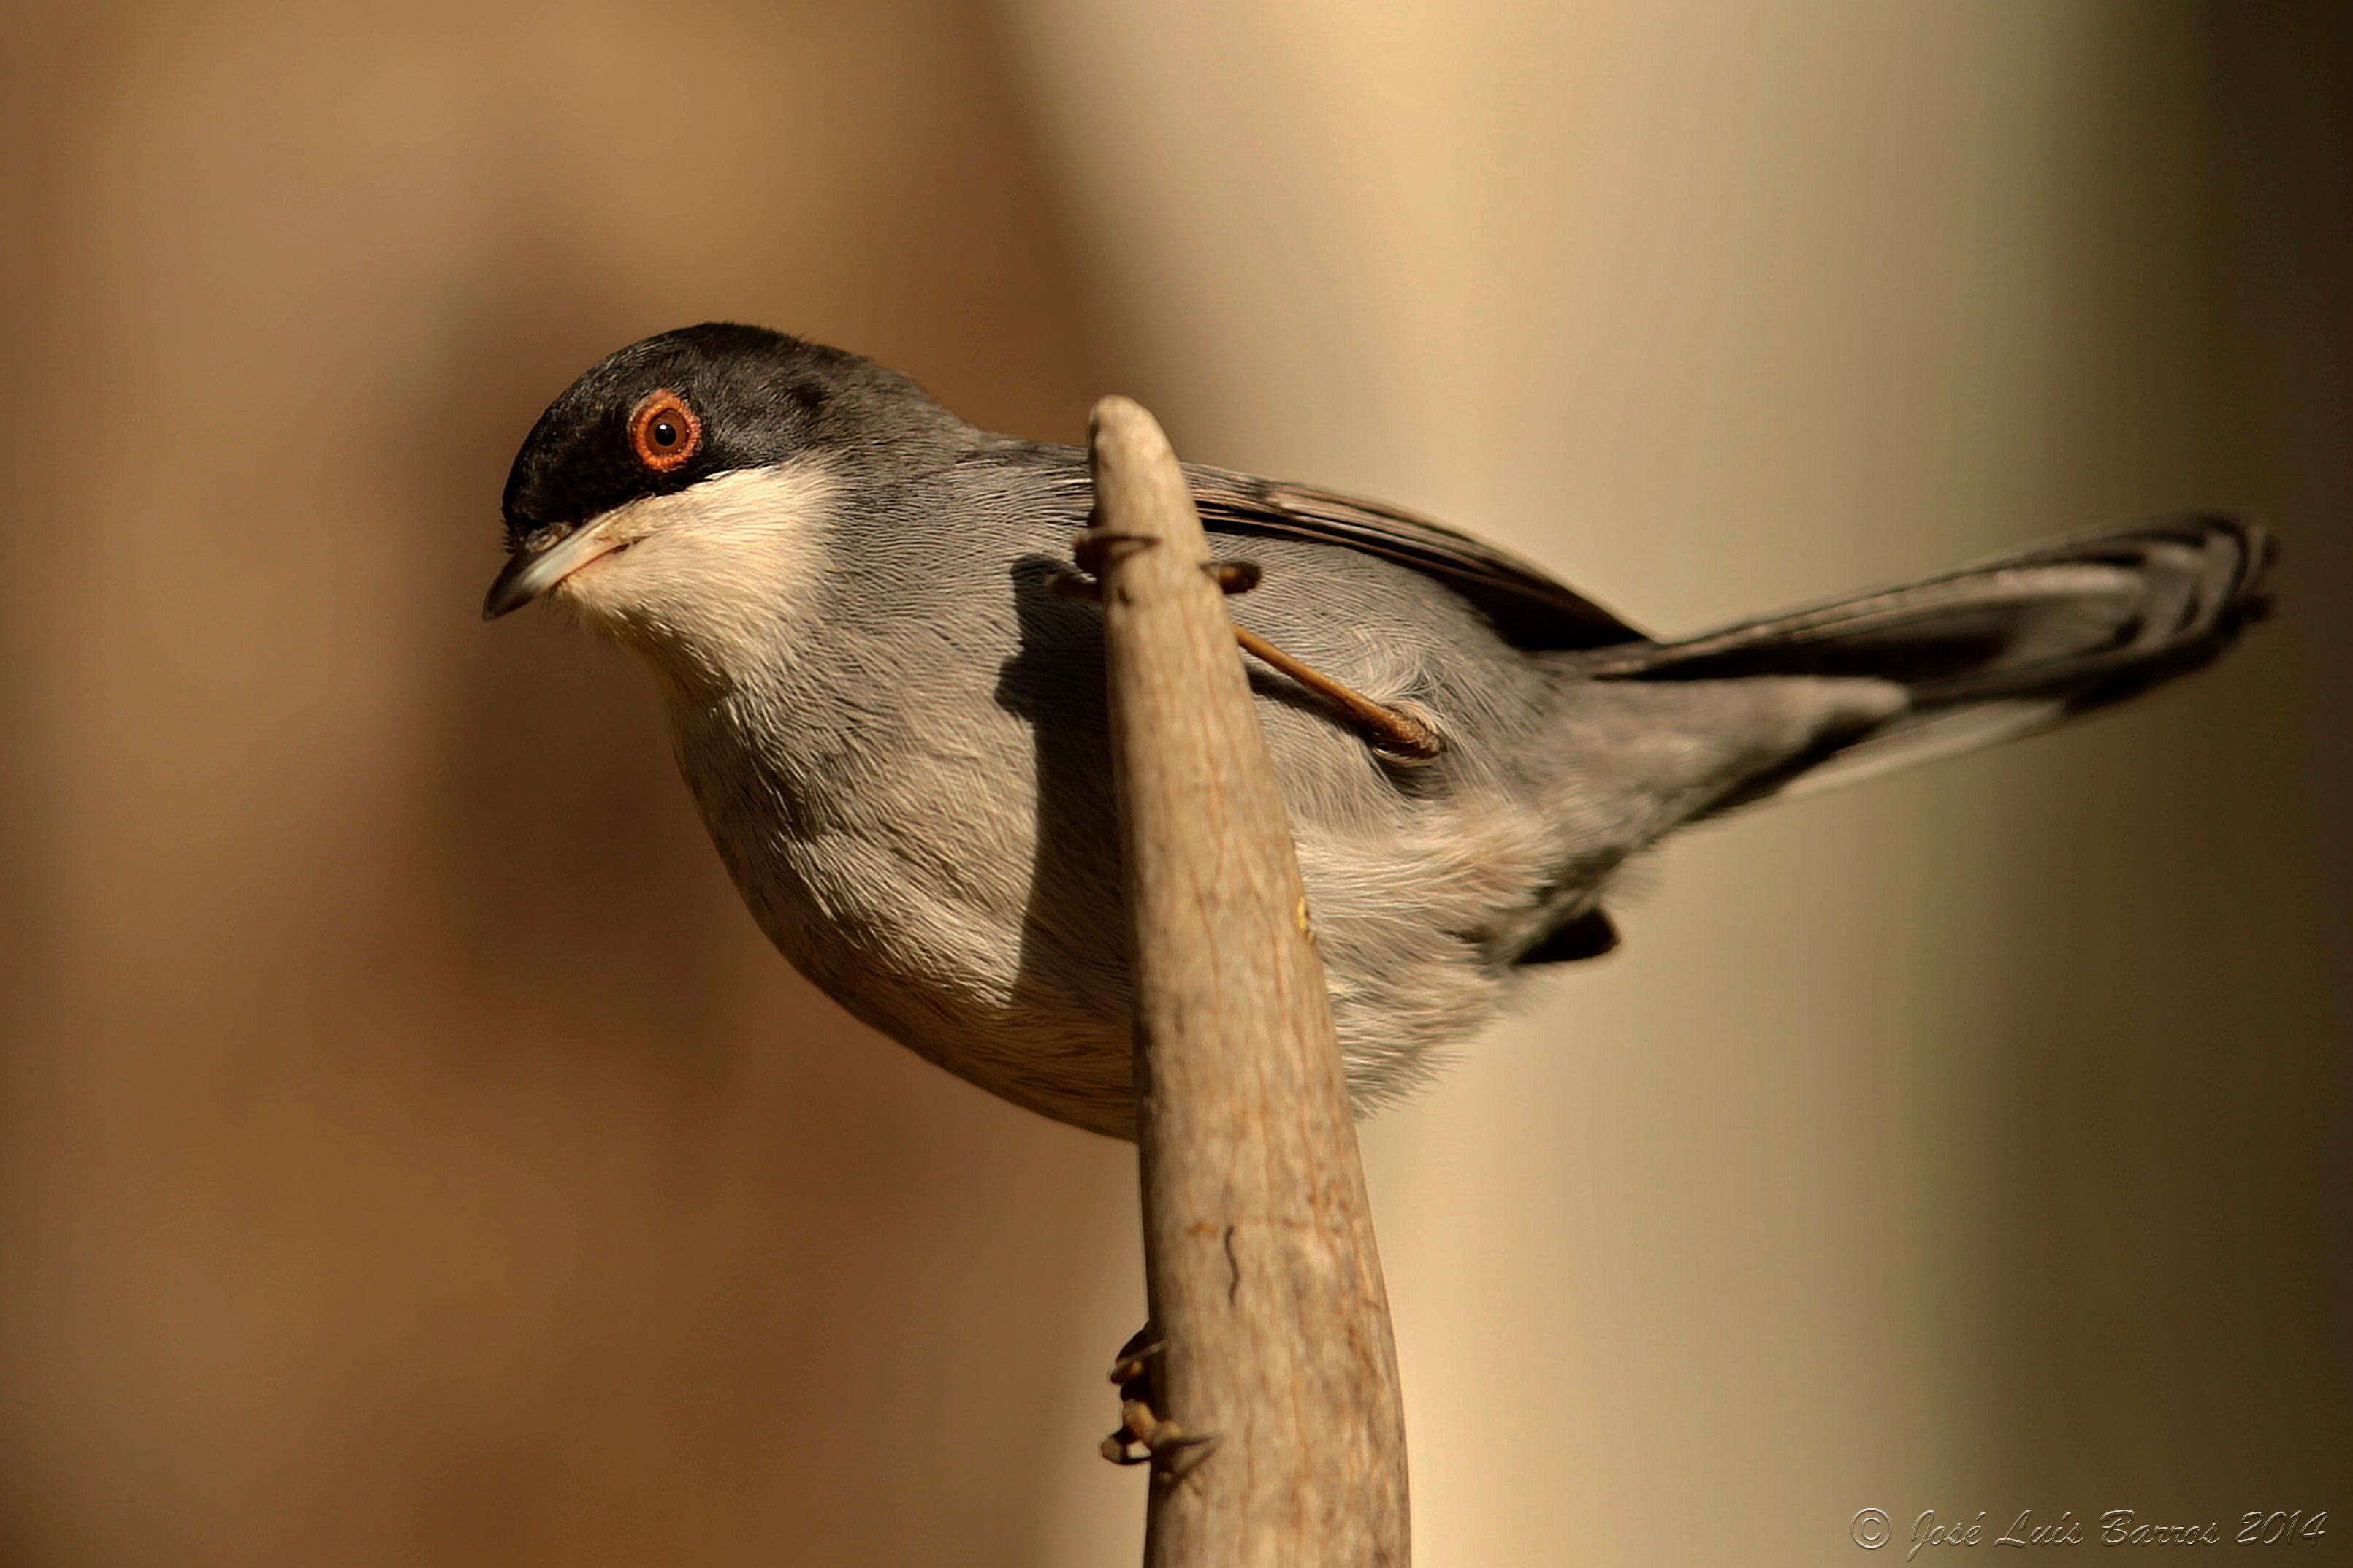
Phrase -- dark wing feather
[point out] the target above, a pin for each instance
(1528, 608)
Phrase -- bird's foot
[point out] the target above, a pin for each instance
(1144, 1438)
(1388, 730)
(1392, 731)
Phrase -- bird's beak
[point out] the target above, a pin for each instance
(530, 572)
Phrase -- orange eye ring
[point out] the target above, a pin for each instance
(664, 432)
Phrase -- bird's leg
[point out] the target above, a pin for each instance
(1389, 730)
(1143, 1438)
(1384, 729)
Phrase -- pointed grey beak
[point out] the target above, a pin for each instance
(533, 573)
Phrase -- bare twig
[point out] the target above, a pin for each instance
(1264, 1281)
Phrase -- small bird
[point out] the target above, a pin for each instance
(894, 725)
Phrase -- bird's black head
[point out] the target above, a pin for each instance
(674, 411)
(668, 412)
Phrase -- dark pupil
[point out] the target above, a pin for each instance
(665, 433)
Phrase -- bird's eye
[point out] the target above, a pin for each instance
(664, 431)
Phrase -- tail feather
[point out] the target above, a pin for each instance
(2011, 645)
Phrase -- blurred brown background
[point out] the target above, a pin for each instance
(409, 1153)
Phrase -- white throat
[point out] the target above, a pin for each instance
(708, 571)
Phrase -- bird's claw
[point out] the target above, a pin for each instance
(1067, 583)
(1096, 546)
(1233, 577)
(1085, 582)
(1144, 1438)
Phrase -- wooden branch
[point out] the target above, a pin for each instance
(1260, 1262)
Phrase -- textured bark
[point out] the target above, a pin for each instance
(1259, 1260)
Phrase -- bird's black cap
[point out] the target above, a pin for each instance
(750, 397)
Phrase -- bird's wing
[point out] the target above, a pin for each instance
(1528, 606)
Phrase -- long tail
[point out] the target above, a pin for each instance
(2011, 645)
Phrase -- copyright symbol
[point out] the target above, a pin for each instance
(1870, 1529)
